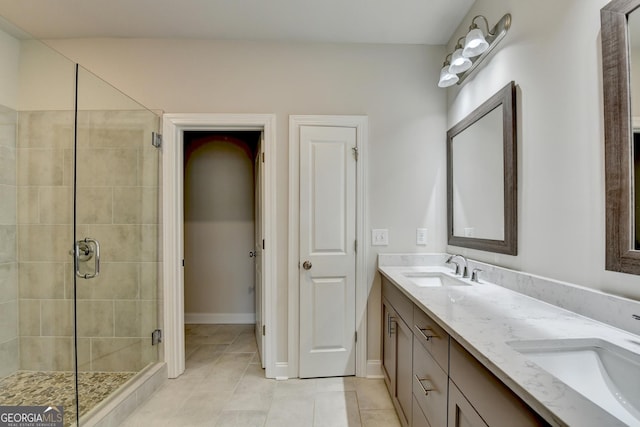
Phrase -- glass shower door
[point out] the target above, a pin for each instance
(116, 228)
(37, 354)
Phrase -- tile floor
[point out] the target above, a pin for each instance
(224, 385)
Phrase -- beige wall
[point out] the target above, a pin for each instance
(9, 66)
(219, 275)
(394, 85)
(553, 54)
(9, 341)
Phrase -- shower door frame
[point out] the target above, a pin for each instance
(174, 126)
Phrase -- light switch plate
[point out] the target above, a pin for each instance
(421, 236)
(380, 237)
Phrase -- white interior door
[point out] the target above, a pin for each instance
(259, 236)
(327, 251)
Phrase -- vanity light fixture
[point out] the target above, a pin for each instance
(477, 46)
(447, 78)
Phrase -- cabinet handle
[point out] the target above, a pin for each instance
(390, 320)
(426, 390)
(426, 336)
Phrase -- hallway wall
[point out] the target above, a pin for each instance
(219, 278)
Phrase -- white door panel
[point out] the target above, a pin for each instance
(327, 243)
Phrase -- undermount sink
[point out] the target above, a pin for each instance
(603, 372)
(431, 279)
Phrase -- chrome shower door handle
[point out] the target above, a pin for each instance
(84, 242)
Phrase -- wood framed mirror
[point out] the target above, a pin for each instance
(482, 177)
(620, 33)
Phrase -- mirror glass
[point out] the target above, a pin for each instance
(478, 179)
(482, 176)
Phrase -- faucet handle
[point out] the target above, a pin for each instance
(474, 275)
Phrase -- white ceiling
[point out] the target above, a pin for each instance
(356, 21)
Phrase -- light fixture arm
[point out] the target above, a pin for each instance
(447, 60)
(486, 23)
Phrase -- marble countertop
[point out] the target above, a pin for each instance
(484, 317)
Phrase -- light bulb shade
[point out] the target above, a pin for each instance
(446, 78)
(459, 64)
(474, 44)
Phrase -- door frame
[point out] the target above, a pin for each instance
(174, 126)
(360, 123)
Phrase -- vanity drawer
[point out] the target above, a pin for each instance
(430, 384)
(418, 418)
(432, 337)
(494, 401)
(398, 300)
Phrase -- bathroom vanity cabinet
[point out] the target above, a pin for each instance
(434, 381)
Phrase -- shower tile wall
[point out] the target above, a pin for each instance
(9, 341)
(117, 204)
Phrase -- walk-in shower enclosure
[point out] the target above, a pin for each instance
(79, 233)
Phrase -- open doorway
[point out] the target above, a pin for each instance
(220, 226)
(175, 128)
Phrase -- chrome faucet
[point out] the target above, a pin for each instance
(465, 270)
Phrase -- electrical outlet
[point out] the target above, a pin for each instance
(421, 236)
(469, 231)
(380, 237)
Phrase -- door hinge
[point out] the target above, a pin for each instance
(355, 153)
(262, 157)
(356, 336)
(262, 244)
(156, 139)
(264, 330)
(183, 262)
(355, 245)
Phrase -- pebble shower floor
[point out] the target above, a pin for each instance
(28, 388)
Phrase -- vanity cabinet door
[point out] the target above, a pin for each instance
(404, 371)
(461, 413)
(389, 317)
(397, 349)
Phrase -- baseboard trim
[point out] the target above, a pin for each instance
(374, 369)
(218, 318)
(282, 371)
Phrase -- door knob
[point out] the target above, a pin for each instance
(307, 265)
